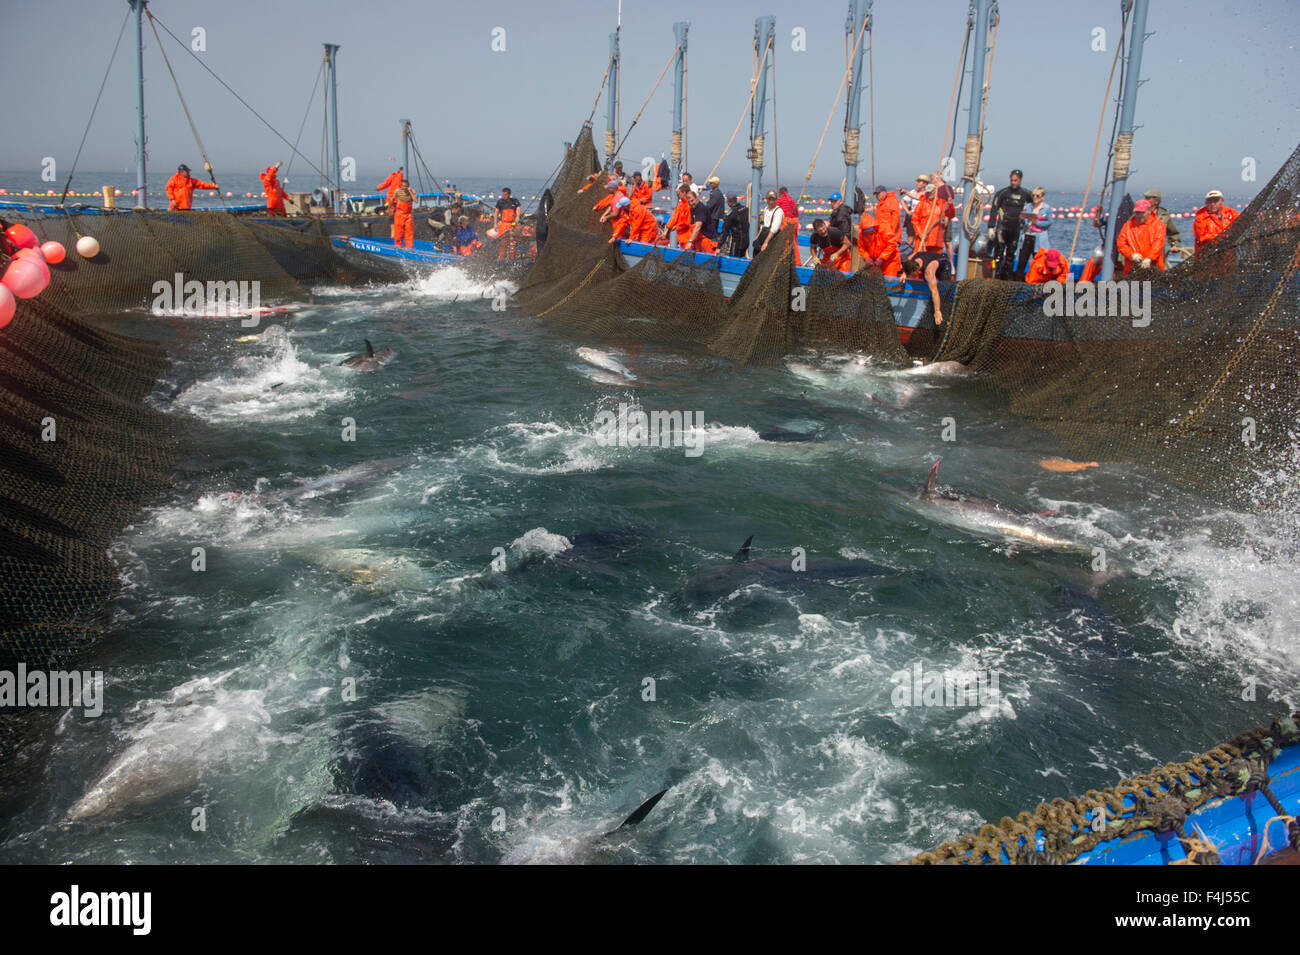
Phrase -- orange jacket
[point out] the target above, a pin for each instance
(390, 184)
(642, 194)
(877, 243)
(642, 226)
(889, 217)
(180, 190)
(1039, 271)
(1207, 227)
(681, 221)
(275, 194)
(1147, 239)
(929, 219)
(1091, 270)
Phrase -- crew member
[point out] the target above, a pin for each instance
(1172, 235)
(1004, 223)
(934, 267)
(467, 240)
(1141, 242)
(403, 224)
(1092, 268)
(613, 192)
(389, 186)
(640, 190)
(735, 228)
(1047, 265)
(633, 221)
(275, 194)
(832, 245)
(788, 208)
(700, 219)
(716, 204)
(680, 221)
(841, 214)
(771, 221)
(879, 247)
(504, 219)
(929, 220)
(180, 188)
(1212, 218)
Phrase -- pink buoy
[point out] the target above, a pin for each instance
(54, 252)
(34, 256)
(88, 247)
(21, 236)
(24, 278)
(7, 305)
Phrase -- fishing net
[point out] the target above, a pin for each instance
(583, 284)
(1161, 802)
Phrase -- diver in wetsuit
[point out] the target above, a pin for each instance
(1004, 224)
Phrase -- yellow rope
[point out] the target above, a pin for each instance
(608, 66)
(1264, 847)
(956, 82)
(653, 90)
(581, 286)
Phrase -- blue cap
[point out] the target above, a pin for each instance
(835, 195)
(623, 202)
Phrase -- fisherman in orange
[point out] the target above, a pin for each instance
(930, 220)
(831, 247)
(696, 239)
(504, 219)
(180, 188)
(1092, 268)
(679, 221)
(613, 192)
(275, 194)
(390, 186)
(1142, 240)
(1047, 265)
(403, 223)
(1212, 218)
(467, 240)
(633, 221)
(878, 238)
(640, 190)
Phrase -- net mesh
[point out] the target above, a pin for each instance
(1191, 371)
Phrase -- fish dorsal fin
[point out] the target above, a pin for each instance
(932, 480)
(641, 812)
(742, 555)
(370, 349)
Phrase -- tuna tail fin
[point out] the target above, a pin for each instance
(742, 555)
(932, 479)
(641, 812)
(370, 349)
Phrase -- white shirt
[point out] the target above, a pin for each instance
(773, 218)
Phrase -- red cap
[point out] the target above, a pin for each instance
(1141, 206)
(1052, 257)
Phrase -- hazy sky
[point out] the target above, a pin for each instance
(1222, 85)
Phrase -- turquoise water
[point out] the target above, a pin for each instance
(495, 587)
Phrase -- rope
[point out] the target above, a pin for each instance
(68, 185)
(957, 83)
(871, 106)
(1101, 122)
(753, 89)
(776, 138)
(1114, 126)
(677, 150)
(1123, 156)
(686, 103)
(653, 90)
(974, 205)
(844, 78)
(207, 163)
(183, 46)
(319, 73)
(608, 66)
(581, 285)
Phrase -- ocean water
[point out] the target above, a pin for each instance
(475, 633)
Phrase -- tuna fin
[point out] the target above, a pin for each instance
(370, 349)
(932, 480)
(640, 813)
(742, 555)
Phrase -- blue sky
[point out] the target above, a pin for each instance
(1222, 81)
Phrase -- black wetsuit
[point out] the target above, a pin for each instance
(944, 273)
(842, 219)
(1005, 211)
(735, 231)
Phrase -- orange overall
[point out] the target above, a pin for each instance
(642, 194)
(930, 219)
(275, 194)
(1147, 240)
(180, 190)
(636, 224)
(1040, 271)
(1207, 227)
(388, 187)
(680, 222)
(403, 223)
(1091, 271)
